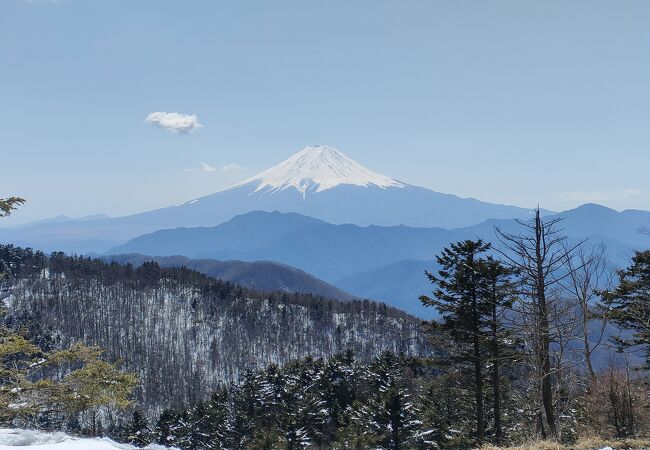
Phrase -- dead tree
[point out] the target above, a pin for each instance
(540, 254)
(589, 272)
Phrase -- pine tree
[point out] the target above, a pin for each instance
(499, 291)
(7, 205)
(336, 387)
(249, 410)
(137, 430)
(296, 410)
(195, 430)
(459, 299)
(446, 416)
(167, 427)
(389, 417)
(94, 386)
(628, 305)
(217, 415)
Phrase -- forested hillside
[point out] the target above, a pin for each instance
(183, 332)
(267, 276)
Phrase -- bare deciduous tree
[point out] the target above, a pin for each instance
(540, 254)
(588, 272)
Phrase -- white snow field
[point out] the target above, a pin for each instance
(317, 168)
(10, 438)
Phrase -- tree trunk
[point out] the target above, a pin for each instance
(478, 373)
(496, 382)
(544, 360)
(585, 337)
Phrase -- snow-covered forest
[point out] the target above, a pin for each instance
(183, 333)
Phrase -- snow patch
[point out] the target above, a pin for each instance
(316, 169)
(38, 440)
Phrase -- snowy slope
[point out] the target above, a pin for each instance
(10, 438)
(316, 169)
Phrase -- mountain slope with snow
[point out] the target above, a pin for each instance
(318, 181)
(316, 169)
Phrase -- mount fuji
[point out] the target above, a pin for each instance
(318, 181)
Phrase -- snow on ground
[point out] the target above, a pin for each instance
(10, 438)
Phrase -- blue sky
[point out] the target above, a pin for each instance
(508, 101)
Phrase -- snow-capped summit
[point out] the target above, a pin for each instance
(317, 168)
(318, 181)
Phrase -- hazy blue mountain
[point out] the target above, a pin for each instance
(318, 181)
(382, 263)
(322, 249)
(402, 282)
(263, 276)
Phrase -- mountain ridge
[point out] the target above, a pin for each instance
(318, 181)
(350, 257)
(261, 276)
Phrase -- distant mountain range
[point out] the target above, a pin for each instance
(262, 276)
(382, 263)
(327, 217)
(318, 181)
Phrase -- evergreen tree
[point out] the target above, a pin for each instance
(137, 430)
(249, 411)
(217, 415)
(195, 430)
(628, 305)
(445, 414)
(389, 418)
(295, 409)
(167, 428)
(94, 386)
(459, 299)
(337, 386)
(499, 291)
(7, 205)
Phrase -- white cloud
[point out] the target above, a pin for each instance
(174, 122)
(232, 167)
(606, 195)
(205, 167)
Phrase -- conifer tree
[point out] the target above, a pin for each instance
(499, 291)
(94, 386)
(219, 427)
(459, 299)
(249, 415)
(7, 205)
(295, 408)
(137, 431)
(337, 385)
(628, 304)
(167, 428)
(446, 417)
(389, 418)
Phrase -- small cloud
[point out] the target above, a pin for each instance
(205, 167)
(174, 122)
(232, 167)
(605, 195)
